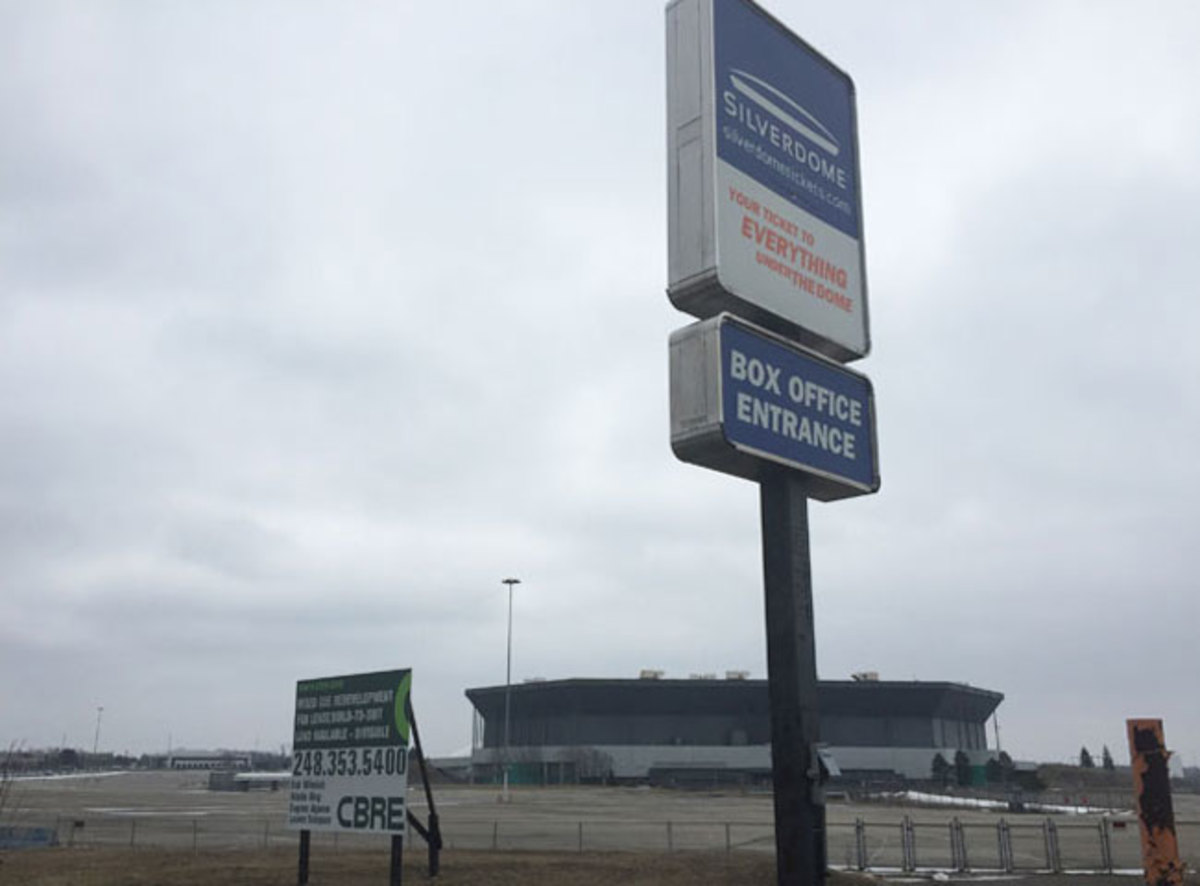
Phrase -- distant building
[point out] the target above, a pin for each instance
(209, 762)
(227, 780)
(708, 729)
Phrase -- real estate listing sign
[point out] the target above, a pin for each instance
(765, 209)
(350, 753)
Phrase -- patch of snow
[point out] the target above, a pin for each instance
(984, 803)
(63, 776)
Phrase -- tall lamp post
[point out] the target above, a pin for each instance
(508, 683)
(96, 740)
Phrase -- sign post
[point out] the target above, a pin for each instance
(765, 246)
(792, 679)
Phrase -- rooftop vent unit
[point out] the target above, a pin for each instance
(702, 676)
(736, 675)
(650, 674)
(865, 676)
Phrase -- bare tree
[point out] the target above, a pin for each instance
(8, 764)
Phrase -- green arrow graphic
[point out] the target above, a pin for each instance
(402, 692)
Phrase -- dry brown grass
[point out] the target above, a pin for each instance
(112, 867)
(151, 867)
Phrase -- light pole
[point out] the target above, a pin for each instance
(507, 683)
(96, 739)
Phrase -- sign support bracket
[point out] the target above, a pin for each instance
(432, 832)
(792, 679)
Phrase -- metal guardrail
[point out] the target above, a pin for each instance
(1008, 845)
(1047, 845)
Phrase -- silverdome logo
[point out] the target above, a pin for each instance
(761, 107)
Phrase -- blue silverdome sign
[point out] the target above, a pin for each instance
(785, 116)
(741, 395)
(764, 202)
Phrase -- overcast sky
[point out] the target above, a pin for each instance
(317, 320)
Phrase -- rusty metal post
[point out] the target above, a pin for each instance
(1152, 797)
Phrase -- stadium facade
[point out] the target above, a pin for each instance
(708, 729)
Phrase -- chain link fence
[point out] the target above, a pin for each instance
(1017, 845)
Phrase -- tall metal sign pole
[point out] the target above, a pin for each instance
(766, 248)
(792, 679)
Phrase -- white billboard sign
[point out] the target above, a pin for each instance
(350, 753)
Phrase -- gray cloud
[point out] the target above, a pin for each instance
(315, 325)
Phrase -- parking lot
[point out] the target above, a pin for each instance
(176, 810)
